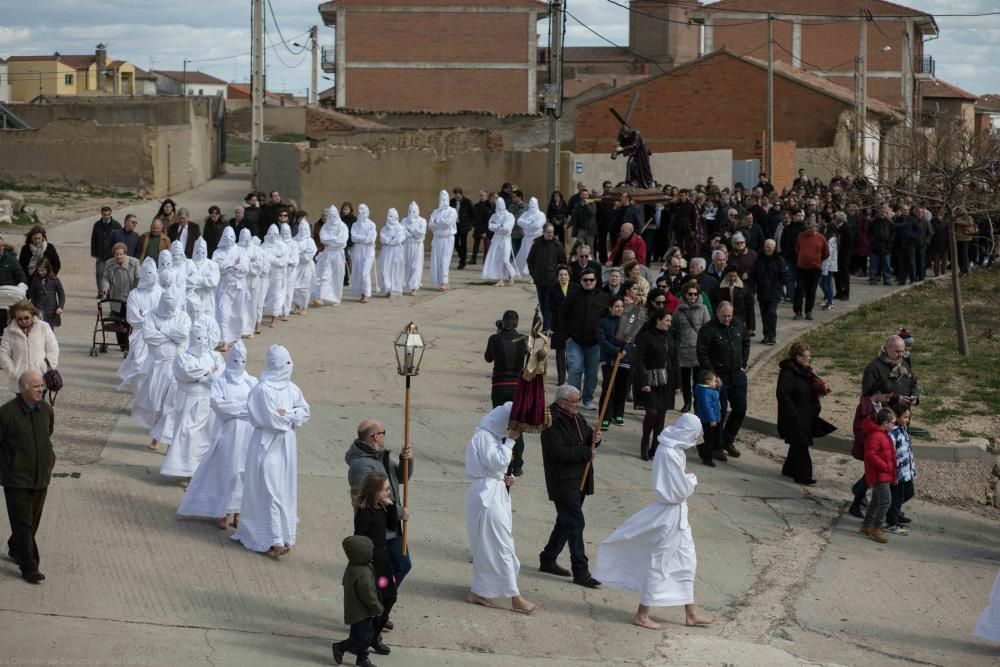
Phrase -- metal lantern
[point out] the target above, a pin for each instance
(409, 350)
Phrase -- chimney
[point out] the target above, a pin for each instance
(101, 57)
(662, 32)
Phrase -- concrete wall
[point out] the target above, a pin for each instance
(318, 177)
(113, 110)
(818, 162)
(277, 120)
(68, 152)
(683, 169)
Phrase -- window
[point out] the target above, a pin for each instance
(201, 91)
(190, 91)
(68, 79)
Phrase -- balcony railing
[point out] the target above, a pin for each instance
(329, 59)
(924, 65)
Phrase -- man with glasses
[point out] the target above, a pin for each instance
(184, 231)
(584, 260)
(566, 451)
(578, 319)
(367, 455)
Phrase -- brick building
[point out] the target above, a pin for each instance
(699, 106)
(443, 56)
(811, 35)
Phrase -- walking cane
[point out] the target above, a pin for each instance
(628, 327)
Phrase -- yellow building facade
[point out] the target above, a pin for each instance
(68, 75)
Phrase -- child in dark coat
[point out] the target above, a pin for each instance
(361, 603)
(47, 294)
(708, 408)
(373, 518)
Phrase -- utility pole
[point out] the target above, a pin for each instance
(184, 80)
(553, 102)
(256, 89)
(769, 156)
(314, 89)
(861, 94)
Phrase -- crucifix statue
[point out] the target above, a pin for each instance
(638, 172)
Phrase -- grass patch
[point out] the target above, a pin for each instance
(237, 150)
(287, 138)
(50, 192)
(951, 385)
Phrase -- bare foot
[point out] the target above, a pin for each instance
(236, 520)
(336, 305)
(523, 606)
(274, 552)
(441, 288)
(500, 283)
(152, 445)
(222, 523)
(411, 292)
(364, 299)
(444, 287)
(693, 616)
(644, 621)
(284, 318)
(472, 598)
(318, 302)
(511, 283)
(256, 329)
(271, 323)
(184, 481)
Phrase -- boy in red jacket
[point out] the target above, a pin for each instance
(880, 471)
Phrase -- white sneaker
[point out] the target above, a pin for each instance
(590, 406)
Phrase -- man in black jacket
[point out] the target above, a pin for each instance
(185, 231)
(584, 260)
(845, 251)
(507, 350)
(578, 320)
(724, 348)
(466, 221)
(100, 249)
(482, 211)
(545, 256)
(605, 214)
(566, 451)
(26, 462)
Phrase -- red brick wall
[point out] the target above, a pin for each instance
(715, 104)
(751, 39)
(783, 172)
(436, 37)
(495, 90)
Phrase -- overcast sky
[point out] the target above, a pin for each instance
(157, 34)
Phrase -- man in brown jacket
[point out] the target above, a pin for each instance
(153, 242)
(26, 462)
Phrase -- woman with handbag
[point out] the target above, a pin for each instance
(656, 377)
(28, 344)
(691, 316)
(799, 390)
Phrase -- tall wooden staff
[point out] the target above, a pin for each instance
(628, 327)
(409, 353)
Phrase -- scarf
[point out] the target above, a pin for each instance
(37, 253)
(819, 385)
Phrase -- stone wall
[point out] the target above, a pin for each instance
(277, 120)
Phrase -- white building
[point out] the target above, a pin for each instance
(145, 83)
(170, 82)
(4, 82)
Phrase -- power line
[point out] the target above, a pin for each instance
(278, 28)
(660, 67)
(277, 53)
(667, 19)
(681, 3)
(238, 55)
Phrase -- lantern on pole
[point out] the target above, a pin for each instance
(409, 347)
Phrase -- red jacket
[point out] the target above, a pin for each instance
(865, 412)
(811, 250)
(635, 244)
(880, 454)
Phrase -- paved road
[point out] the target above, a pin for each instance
(784, 569)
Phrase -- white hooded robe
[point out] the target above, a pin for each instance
(234, 266)
(277, 265)
(488, 520)
(390, 260)
(216, 488)
(166, 333)
(304, 271)
(269, 510)
(532, 221)
(413, 248)
(444, 223)
(988, 625)
(194, 370)
(653, 553)
(202, 275)
(363, 234)
(331, 263)
(141, 302)
(498, 264)
(291, 261)
(251, 296)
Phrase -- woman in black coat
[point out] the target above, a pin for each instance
(371, 519)
(799, 390)
(556, 295)
(656, 376)
(36, 248)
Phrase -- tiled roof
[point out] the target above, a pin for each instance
(351, 121)
(140, 73)
(190, 77)
(824, 7)
(601, 54)
(244, 88)
(938, 89)
(990, 102)
(76, 62)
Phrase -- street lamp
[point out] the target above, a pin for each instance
(409, 348)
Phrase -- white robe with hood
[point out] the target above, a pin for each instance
(532, 221)
(194, 369)
(331, 263)
(304, 271)
(251, 296)
(988, 625)
(488, 520)
(234, 266)
(269, 511)
(653, 553)
(265, 276)
(141, 302)
(413, 248)
(390, 260)
(444, 223)
(202, 275)
(166, 333)
(498, 264)
(216, 488)
(178, 269)
(291, 261)
(363, 234)
(277, 265)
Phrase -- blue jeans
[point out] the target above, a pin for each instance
(733, 402)
(543, 305)
(883, 262)
(568, 529)
(400, 564)
(583, 363)
(826, 284)
(359, 641)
